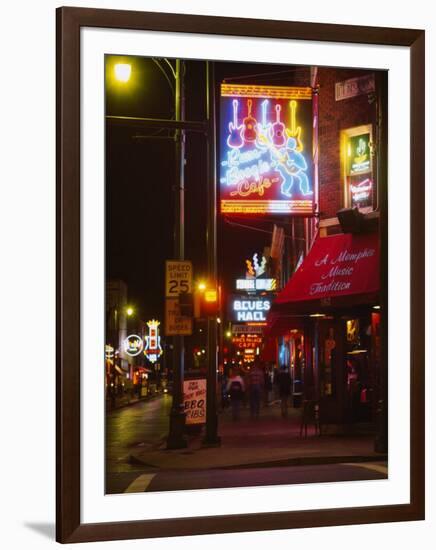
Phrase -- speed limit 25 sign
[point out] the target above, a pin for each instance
(178, 278)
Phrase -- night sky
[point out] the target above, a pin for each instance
(140, 182)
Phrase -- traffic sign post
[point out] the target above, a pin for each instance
(178, 278)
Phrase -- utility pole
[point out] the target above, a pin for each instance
(381, 441)
(211, 436)
(176, 439)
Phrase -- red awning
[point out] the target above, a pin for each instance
(337, 267)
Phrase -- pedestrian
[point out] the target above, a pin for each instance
(267, 386)
(255, 386)
(284, 386)
(236, 389)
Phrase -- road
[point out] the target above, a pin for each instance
(145, 424)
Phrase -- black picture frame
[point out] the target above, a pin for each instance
(70, 20)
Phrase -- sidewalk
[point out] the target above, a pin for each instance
(268, 441)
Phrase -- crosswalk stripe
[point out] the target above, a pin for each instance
(140, 484)
(375, 467)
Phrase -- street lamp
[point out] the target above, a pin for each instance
(122, 72)
(130, 311)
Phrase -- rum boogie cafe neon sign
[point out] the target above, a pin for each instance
(243, 309)
(266, 149)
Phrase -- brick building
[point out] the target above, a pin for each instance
(327, 319)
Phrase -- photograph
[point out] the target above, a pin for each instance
(245, 309)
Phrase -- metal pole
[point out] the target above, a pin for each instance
(381, 441)
(176, 439)
(211, 436)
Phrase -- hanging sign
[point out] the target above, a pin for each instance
(253, 277)
(244, 309)
(266, 150)
(133, 345)
(152, 348)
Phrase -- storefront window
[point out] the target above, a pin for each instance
(357, 162)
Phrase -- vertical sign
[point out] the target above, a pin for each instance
(178, 280)
(194, 397)
(178, 277)
(266, 150)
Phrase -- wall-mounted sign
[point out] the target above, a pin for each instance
(354, 87)
(178, 278)
(359, 154)
(194, 397)
(247, 329)
(175, 323)
(133, 345)
(247, 341)
(152, 348)
(266, 150)
(244, 309)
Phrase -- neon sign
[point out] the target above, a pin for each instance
(245, 309)
(252, 282)
(152, 349)
(359, 154)
(133, 345)
(361, 192)
(266, 149)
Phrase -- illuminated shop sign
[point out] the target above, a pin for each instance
(361, 192)
(247, 341)
(252, 283)
(133, 345)
(152, 349)
(244, 309)
(266, 150)
(359, 154)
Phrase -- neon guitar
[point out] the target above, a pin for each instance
(278, 129)
(235, 139)
(294, 131)
(249, 132)
(263, 128)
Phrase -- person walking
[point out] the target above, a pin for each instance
(284, 386)
(236, 389)
(255, 385)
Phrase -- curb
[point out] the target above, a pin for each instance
(296, 461)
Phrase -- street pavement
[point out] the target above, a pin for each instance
(267, 451)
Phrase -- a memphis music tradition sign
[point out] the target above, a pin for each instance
(266, 150)
(338, 265)
(245, 309)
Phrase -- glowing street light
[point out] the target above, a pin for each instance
(130, 311)
(122, 71)
(201, 286)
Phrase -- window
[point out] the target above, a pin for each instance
(357, 168)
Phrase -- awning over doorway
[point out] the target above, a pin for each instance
(340, 270)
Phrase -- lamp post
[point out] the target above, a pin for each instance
(211, 436)
(181, 126)
(176, 439)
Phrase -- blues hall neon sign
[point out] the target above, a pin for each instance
(266, 150)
